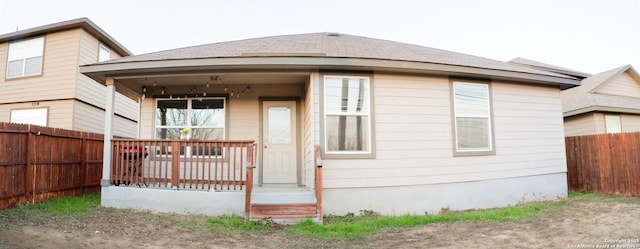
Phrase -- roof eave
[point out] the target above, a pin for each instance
(100, 71)
(83, 23)
(600, 109)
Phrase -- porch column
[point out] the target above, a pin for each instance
(108, 132)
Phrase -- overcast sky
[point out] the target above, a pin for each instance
(586, 35)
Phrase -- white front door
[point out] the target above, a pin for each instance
(279, 156)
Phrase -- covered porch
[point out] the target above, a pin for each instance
(215, 143)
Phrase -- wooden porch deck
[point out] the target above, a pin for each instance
(214, 166)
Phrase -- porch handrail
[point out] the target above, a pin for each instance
(249, 180)
(210, 165)
(318, 181)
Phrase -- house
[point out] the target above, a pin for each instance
(608, 102)
(233, 127)
(604, 103)
(41, 85)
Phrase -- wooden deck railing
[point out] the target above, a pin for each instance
(210, 165)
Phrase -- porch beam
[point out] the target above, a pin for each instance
(108, 132)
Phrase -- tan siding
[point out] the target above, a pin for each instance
(60, 71)
(59, 112)
(93, 92)
(414, 136)
(147, 118)
(630, 123)
(600, 126)
(622, 84)
(90, 118)
(242, 113)
(580, 125)
(308, 145)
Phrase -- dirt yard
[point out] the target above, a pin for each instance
(581, 223)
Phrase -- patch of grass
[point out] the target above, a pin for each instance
(353, 227)
(232, 223)
(63, 206)
(599, 196)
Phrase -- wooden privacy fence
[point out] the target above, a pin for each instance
(211, 165)
(604, 163)
(39, 163)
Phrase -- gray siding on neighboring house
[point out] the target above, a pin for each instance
(622, 85)
(630, 123)
(583, 124)
(414, 136)
(593, 123)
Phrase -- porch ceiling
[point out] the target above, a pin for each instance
(155, 82)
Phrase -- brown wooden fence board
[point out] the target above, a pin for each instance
(38, 163)
(605, 163)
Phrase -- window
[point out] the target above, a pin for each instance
(202, 118)
(25, 58)
(36, 116)
(347, 118)
(104, 54)
(612, 123)
(472, 119)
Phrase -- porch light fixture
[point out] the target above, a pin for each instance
(163, 91)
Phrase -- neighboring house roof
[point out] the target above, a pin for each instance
(318, 51)
(586, 97)
(548, 67)
(83, 23)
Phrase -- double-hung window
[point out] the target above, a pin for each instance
(347, 116)
(472, 119)
(25, 58)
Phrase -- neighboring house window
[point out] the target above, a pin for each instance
(104, 54)
(347, 117)
(25, 58)
(36, 116)
(612, 123)
(472, 119)
(201, 118)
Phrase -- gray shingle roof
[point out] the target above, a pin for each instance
(83, 23)
(330, 45)
(548, 67)
(584, 98)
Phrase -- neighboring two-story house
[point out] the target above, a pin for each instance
(41, 84)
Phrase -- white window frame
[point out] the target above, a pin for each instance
(103, 56)
(369, 153)
(30, 112)
(187, 152)
(24, 50)
(458, 151)
(612, 123)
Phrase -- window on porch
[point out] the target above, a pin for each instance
(197, 118)
(192, 119)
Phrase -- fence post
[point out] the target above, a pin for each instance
(30, 181)
(83, 163)
(175, 164)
